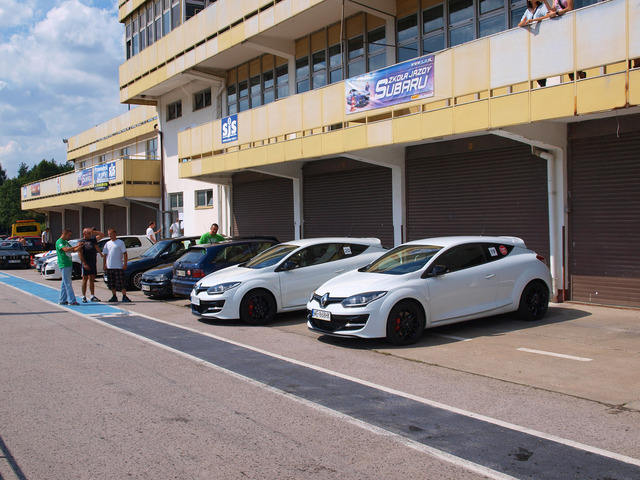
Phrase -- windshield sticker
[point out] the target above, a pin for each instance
(503, 250)
(347, 250)
(493, 252)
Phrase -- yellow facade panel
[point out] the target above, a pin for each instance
(259, 124)
(201, 53)
(211, 19)
(267, 19)
(333, 142)
(312, 146)
(552, 102)
(212, 47)
(283, 10)
(634, 87)
(291, 111)
(224, 40)
(293, 149)
(442, 82)
(224, 13)
(201, 27)
(248, 158)
(215, 132)
(509, 110)
(228, 162)
(437, 123)
(299, 6)
(355, 138)
(380, 133)
(237, 34)
(471, 67)
(189, 33)
(275, 152)
(244, 134)
(184, 144)
(407, 129)
(471, 117)
(184, 170)
(603, 93)
(196, 141)
(249, 6)
(189, 59)
(312, 103)
(180, 64)
(252, 26)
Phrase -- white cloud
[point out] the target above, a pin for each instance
(8, 149)
(14, 13)
(58, 78)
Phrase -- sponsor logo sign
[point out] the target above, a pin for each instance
(230, 129)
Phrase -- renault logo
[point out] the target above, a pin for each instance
(324, 300)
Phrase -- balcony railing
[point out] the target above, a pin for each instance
(132, 171)
(484, 84)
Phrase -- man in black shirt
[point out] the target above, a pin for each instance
(88, 254)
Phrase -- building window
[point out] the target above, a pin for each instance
(102, 159)
(150, 35)
(355, 56)
(127, 35)
(176, 19)
(152, 148)
(319, 66)
(243, 96)
(335, 63)
(408, 38)
(124, 153)
(142, 24)
(376, 44)
(255, 91)
(204, 198)
(175, 200)
(282, 81)
(202, 99)
(166, 17)
(174, 110)
(433, 30)
(232, 99)
(268, 87)
(302, 75)
(158, 14)
(192, 7)
(81, 164)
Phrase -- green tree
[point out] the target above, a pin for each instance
(3, 175)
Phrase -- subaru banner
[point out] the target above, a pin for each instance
(230, 129)
(84, 178)
(404, 82)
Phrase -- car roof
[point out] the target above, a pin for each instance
(459, 240)
(230, 242)
(305, 242)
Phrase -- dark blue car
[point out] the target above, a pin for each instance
(157, 281)
(201, 260)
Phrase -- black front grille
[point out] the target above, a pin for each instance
(343, 323)
(207, 307)
(327, 301)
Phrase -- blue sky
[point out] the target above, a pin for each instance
(59, 64)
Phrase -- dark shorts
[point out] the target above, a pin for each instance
(115, 278)
(92, 270)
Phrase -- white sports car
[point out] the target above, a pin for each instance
(432, 282)
(279, 279)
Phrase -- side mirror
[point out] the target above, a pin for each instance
(438, 270)
(289, 265)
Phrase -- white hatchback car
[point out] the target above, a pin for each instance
(136, 246)
(279, 279)
(432, 282)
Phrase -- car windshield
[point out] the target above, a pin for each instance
(270, 257)
(11, 246)
(404, 259)
(156, 249)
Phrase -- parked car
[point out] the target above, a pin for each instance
(279, 279)
(32, 244)
(432, 282)
(13, 254)
(161, 252)
(136, 245)
(157, 281)
(201, 260)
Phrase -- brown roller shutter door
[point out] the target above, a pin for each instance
(605, 215)
(344, 197)
(263, 205)
(490, 191)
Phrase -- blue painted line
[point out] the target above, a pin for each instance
(50, 294)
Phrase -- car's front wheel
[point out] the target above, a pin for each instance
(405, 323)
(534, 301)
(136, 281)
(258, 307)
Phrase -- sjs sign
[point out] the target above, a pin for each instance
(230, 129)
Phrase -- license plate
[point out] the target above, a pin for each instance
(321, 315)
(14, 261)
(181, 273)
(195, 301)
(146, 288)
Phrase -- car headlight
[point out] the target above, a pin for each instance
(160, 278)
(221, 288)
(362, 299)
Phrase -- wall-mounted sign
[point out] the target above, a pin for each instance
(404, 82)
(102, 174)
(35, 189)
(85, 178)
(230, 129)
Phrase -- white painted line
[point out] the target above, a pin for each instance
(559, 355)
(451, 337)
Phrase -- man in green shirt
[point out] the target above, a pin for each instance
(211, 236)
(64, 250)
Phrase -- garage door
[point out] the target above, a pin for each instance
(263, 205)
(485, 185)
(344, 197)
(605, 210)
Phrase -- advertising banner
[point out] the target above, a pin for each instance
(101, 177)
(84, 178)
(229, 129)
(404, 82)
(35, 189)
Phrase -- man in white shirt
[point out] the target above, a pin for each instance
(151, 233)
(175, 229)
(115, 263)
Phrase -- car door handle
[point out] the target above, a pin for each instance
(341, 270)
(490, 275)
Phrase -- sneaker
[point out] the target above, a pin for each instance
(74, 303)
(113, 299)
(125, 299)
(63, 303)
(95, 299)
(84, 299)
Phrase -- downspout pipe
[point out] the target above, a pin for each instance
(163, 223)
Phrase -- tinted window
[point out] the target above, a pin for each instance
(271, 257)
(131, 242)
(404, 259)
(194, 255)
(461, 257)
(233, 254)
(496, 251)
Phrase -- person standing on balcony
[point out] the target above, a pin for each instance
(560, 7)
(63, 251)
(151, 233)
(534, 14)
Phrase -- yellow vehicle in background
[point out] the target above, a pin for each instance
(26, 228)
